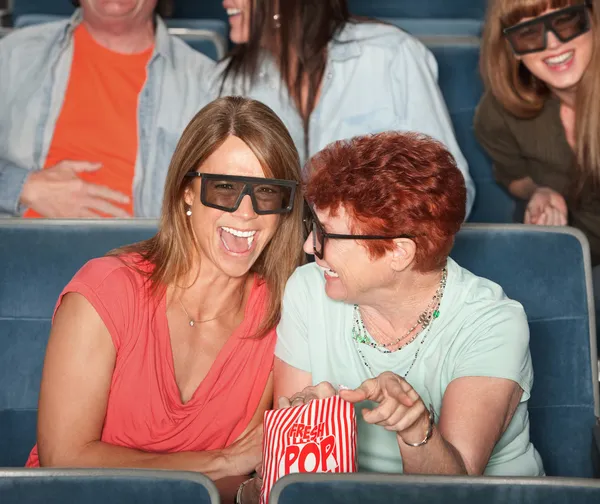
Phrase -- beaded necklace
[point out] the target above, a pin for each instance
(361, 336)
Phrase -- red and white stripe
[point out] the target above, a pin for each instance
(340, 421)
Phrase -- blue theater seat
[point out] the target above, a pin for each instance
(462, 88)
(54, 7)
(101, 486)
(432, 26)
(440, 9)
(546, 269)
(395, 489)
(37, 259)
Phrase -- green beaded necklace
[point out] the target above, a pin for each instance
(362, 336)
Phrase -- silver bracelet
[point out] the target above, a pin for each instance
(238, 495)
(429, 432)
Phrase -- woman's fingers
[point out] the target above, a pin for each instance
(319, 391)
(283, 402)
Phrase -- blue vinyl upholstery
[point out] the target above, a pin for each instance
(37, 259)
(440, 9)
(462, 88)
(396, 489)
(101, 486)
(548, 271)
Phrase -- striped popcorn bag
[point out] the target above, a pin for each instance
(317, 437)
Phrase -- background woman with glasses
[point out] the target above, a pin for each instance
(161, 354)
(436, 358)
(539, 119)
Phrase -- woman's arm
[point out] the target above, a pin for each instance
(78, 369)
(475, 413)
(288, 380)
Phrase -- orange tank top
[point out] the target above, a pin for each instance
(144, 409)
(98, 119)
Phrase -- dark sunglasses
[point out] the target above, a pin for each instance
(312, 225)
(531, 36)
(225, 192)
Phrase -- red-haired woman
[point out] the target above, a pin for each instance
(441, 354)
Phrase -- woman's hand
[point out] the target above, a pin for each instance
(243, 456)
(546, 207)
(320, 391)
(400, 408)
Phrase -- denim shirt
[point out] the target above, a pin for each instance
(377, 78)
(35, 64)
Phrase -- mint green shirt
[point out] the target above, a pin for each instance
(480, 332)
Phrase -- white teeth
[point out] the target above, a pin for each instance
(329, 272)
(560, 59)
(250, 240)
(233, 12)
(238, 233)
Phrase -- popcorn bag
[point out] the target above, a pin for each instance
(317, 437)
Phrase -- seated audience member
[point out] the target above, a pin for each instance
(92, 109)
(540, 62)
(161, 354)
(436, 359)
(330, 76)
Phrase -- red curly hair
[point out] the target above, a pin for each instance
(390, 184)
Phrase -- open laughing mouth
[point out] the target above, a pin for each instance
(328, 272)
(559, 60)
(233, 12)
(238, 241)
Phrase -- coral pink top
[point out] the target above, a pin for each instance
(144, 408)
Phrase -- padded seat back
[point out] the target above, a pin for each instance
(441, 9)
(548, 271)
(392, 489)
(101, 486)
(459, 81)
(37, 260)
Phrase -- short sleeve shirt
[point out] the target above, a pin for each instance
(480, 332)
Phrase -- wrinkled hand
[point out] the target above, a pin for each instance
(320, 391)
(58, 192)
(546, 207)
(399, 409)
(245, 454)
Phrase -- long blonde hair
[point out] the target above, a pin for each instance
(524, 95)
(172, 250)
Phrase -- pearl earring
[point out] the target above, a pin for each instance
(189, 212)
(277, 21)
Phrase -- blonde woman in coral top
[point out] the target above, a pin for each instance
(160, 354)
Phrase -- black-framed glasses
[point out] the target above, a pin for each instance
(226, 192)
(532, 36)
(312, 225)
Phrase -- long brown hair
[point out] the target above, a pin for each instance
(524, 95)
(173, 249)
(298, 38)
